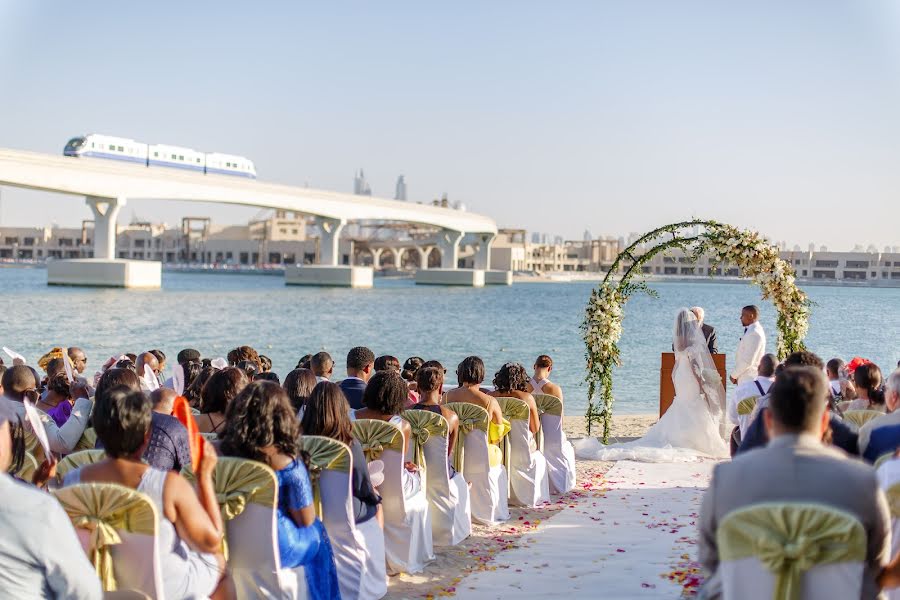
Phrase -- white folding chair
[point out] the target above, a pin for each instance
(557, 450)
(888, 472)
(528, 481)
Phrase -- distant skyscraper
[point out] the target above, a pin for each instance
(587, 235)
(535, 237)
(360, 185)
(400, 192)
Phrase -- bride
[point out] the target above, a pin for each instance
(690, 429)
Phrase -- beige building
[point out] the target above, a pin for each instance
(512, 252)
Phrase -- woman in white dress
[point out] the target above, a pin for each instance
(691, 428)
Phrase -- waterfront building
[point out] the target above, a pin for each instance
(400, 190)
(360, 185)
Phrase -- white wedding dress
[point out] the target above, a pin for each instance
(689, 430)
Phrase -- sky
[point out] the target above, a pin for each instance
(614, 117)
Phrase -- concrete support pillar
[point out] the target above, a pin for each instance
(105, 212)
(423, 256)
(448, 242)
(329, 252)
(376, 257)
(483, 255)
(395, 258)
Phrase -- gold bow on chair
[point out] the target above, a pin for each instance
(789, 539)
(105, 509)
(424, 424)
(471, 417)
(77, 460)
(861, 417)
(239, 482)
(29, 466)
(324, 454)
(377, 436)
(513, 410)
(88, 440)
(747, 405)
(546, 405)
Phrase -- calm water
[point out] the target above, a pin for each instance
(214, 313)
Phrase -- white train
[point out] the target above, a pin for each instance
(159, 155)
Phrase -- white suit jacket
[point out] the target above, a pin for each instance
(750, 351)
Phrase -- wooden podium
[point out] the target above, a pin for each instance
(667, 388)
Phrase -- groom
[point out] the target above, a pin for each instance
(750, 349)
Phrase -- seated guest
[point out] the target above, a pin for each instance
(299, 384)
(360, 366)
(262, 426)
(160, 358)
(249, 367)
(78, 360)
(194, 391)
(511, 381)
(242, 353)
(758, 387)
(410, 368)
(540, 383)
(841, 435)
(430, 382)
(265, 364)
(305, 362)
(833, 370)
(19, 383)
(147, 359)
(57, 401)
(169, 448)
(470, 374)
(327, 414)
(869, 395)
(322, 366)
(221, 388)
(797, 467)
(387, 363)
(881, 435)
(190, 525)
(42, 557)
(384, 399)
(267, 376)
(184, 356)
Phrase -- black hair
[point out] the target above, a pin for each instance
(752, 309)
(117, 377)
(803, 358)
(327, 413)
(17, 379)
(267, 376)
(359, 357)
(511, 377)
(159, 354)
(470, 370)
(767, 365)
(321, 363)
(249, 367)
(868, 377)
(304, 362)
(299, 384)
(834, 365)
(221, 389)
(187, 355)
(429, 379)
(122, 419)
(386, 392)
(411, 367)
(259, 417)
(265, 363)
(387, 362)
(798, 397)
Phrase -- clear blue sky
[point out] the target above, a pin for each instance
(556, 117)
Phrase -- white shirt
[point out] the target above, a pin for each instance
(747, 390)
(320, 379)
(750, 351)
(39, 551)
(62, 439)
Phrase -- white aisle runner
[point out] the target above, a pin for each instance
(634, 541)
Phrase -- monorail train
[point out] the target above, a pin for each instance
(159, 155)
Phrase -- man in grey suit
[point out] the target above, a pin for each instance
(709, 332)
(797, 467)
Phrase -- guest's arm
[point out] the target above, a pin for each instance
(63, 439)
(198, 519)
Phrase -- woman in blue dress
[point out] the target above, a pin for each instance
(262, 425)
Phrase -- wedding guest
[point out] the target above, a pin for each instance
(304, 362)
(249, 367)
(190, 524)
(410, 368)
(360, 366)
(384, 399)
(299, 384)
(796, 467)
(19, 383)
(833, 370)
(56, 400)
(430, 382)
(470, 375)
(160, 358)
(387, 363)
(758, 387)
(192, 371)
(867, 381)
(148, 359)
(78, 358)
(540, 382)
(220, 390)
(267, 376)
(265, 363)
(327, 414)
(511, 381)
(262, 426)
(42, 557)
(751, 347)
(881, 435)
(842, 435)
(240, 353)
(322, 366)
(188, 355)
(163, 400)
(169, 448)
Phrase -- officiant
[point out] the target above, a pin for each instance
(709, 332)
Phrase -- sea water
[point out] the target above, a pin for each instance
(216, 312)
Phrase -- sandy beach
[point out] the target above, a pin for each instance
(479, 551)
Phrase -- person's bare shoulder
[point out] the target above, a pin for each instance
(553, 390)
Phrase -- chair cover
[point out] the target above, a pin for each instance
(888, 472)
(448, 499)
(861, 417)
(358, 551)
(527, 468)
(489, 492)
(78, 459)
(247, 494)
(557, 450)
(791, 551)
(408, 544)
(117, 528)
(745, 407)
(88, 440)
(29, 466)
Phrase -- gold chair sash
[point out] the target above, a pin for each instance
(88, 440)
(789, 539)
(546, 405)
(77, 460)
(893, 497)
(424, 424)
(106, 509)
(29, 466)
(376, 436)
(471, 417)
(238, 482)
(325, 454)
(747, 405)
(513, 410)
(861, 417)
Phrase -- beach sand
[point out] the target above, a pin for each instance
(478, 552)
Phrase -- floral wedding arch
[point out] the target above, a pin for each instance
(725, 245)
